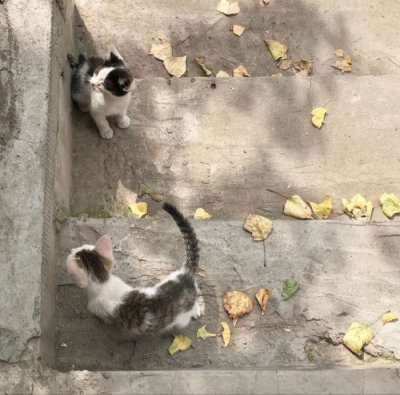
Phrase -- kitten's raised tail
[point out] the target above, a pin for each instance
(189, 236)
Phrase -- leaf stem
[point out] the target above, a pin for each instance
(270, 190)
(265, 254)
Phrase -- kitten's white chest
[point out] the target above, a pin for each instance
(109, 105)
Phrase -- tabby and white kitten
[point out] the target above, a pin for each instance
(102, 87)
(169, 304)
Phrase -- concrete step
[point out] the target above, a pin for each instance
(222, 143)
(312, 29)
(348, 272)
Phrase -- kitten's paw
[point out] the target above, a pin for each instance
(196, 311)
(106, 134)
(84, 107)
(124, 122)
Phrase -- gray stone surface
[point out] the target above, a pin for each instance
(16, 380)
(346, 272)
(25, 61)
(221, 149)
(312, 29)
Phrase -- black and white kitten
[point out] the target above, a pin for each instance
(169, 304)
(102, 87)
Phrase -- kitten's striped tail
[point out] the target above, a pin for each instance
(189, 236)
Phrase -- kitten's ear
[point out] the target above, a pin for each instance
(77, 273)
(113, 54)
(104, 248)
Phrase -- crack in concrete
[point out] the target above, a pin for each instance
(173, 382)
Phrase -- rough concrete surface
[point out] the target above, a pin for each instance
(223, 148)
(25, 62)
(312, 29)
(346, 272)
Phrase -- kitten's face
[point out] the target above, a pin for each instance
(113, 77)
(89, 263)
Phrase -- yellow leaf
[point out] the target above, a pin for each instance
(259, 226)
(226, 333)
(176, 66)
(262, 296)
(344, 65)
(358, 208)
(285, 64)
(200, 213)
(180, 343)
(161, 51)
(277, 75)
(322, 210)
(390, 204)
(223, 73)
(138, 209)
(357, 336)
(228, 8)
(237, 304)
(339, 53)
(201, 272)
(200, 60)
(304, 66)
(318, 115)
(276, 49)
(203, 334)
(389, 317)
(240, 71)
(297, 208)
(238, 30)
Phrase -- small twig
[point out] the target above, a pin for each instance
(329, 101)
(227, 60)
(327, 60)
(270, 190)
(394, 63)
(378, 318)
(234, 268)
(265, 254)
(276, 327)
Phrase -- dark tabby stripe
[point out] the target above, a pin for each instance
(94, 264)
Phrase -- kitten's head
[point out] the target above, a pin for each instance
(113, 76)
(89, 263)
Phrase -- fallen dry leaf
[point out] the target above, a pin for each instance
(226, 333)
(237, 304)
(161, 51)
(359, 207)
(146, 190)
(262, 296)
(344, 65)
(180, 343)
(203, 334)
(200, 60)
(357, 336)
(138, 209)
(277, 49)
(286, 329)
(259, 227)
(238, 30)
(228, 8)
(277, 75)
(296, 207)
(176, 66)
(304, 66)
(322, 210)
(200, 213)
(339, 53)
(285, 64)
(290, 286)
(201, 272)
(389, 317)
(240, 71)
(223, 73)
(390, 204)
(318, 116)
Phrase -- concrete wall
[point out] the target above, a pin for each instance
(35, 37)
